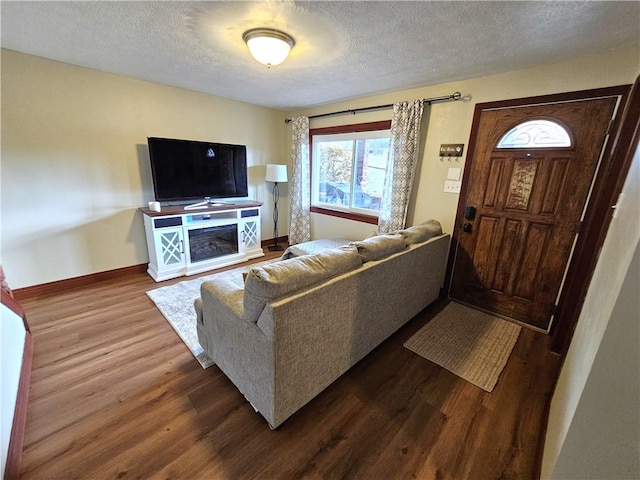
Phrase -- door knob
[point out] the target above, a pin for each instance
(466, 227)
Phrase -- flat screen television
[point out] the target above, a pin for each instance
(191, 170)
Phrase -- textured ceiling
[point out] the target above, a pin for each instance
(343, 49)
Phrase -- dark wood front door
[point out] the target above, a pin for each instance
(524, 206)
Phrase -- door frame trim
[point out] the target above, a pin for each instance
(606, 186)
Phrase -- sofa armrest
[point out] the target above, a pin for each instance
(238, 347)
(221, 298)
(198, 306)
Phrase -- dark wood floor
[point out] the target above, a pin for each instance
(116, 394)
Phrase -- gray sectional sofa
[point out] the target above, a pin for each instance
(284, 331)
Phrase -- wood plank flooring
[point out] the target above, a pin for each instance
(116, 394)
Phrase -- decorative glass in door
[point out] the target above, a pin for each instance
(250, 234)
(171, 249)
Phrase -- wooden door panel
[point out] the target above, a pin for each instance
(529, 203)
(494, 182)
(485, 245)
(554, 185)
(534, 251)
(505, 276)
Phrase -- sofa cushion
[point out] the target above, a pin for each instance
(422, 232)
(278, 279)
(313, 246)
(380, 246)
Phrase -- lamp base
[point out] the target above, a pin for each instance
(275, 248)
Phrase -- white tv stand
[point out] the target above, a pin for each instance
(188, 242)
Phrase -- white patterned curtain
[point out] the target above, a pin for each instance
(300, 195)
(403, 158)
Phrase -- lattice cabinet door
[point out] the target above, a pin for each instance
(170, 245)
(250, 236)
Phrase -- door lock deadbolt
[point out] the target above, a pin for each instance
(469, 213)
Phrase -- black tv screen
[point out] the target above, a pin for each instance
(191, 170)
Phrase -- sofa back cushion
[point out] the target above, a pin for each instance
(278, 279)
(374, 248)
(421, 233)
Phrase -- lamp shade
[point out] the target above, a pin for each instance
(276, 173)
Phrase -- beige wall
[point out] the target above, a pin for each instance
(75, 164)
(451, 123)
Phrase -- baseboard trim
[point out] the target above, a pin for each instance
(69, 283)
(281, 240)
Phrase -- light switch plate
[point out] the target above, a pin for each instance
(453, 173)
(451, 186)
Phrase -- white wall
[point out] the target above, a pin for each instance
(603, 440)
(12, 342)
(451, 123)
(597, 391)
(75, 164)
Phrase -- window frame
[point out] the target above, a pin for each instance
(335, 130)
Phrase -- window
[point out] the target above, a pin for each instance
(536, 134)
(348, 168)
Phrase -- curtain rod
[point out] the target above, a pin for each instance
(453, 97)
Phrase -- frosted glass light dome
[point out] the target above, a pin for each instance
(268, 46)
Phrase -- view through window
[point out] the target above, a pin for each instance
(349, 169)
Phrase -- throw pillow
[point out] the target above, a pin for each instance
(281, 278)
(380, 246)
(421, 233)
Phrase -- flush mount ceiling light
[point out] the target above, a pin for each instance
(268, 46)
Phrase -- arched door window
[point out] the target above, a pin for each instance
(536, 134)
